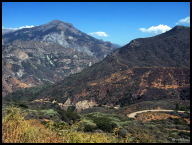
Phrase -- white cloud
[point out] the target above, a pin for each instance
(26, 27)
(156, 29)
(20, 27)
(100, 33)
(184, 21)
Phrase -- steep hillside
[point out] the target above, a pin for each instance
(48, 53)
(170, 49)
(64, 34)
(146, 69)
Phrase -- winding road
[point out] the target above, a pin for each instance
(132, 115)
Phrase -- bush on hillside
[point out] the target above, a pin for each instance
(105, 124)
(68, 116)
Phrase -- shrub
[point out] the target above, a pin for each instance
(32, 114)
(105, 124)
(178, 121)
(71, 108)
(50, 113)
(122, 132)
(68, 115)
(23, 106)
(89, 128)
(184, 134)
(88, 125)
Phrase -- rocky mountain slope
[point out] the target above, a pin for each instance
(152, 68)
(65, 34)
(47, 53)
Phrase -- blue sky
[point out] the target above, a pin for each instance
(117, 22)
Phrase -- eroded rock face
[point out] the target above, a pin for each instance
(50, 52)
(80, 105)
(10, 81)
(65, 105)
(56, 38)
(20, 54)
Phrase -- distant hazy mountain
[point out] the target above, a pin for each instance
(4, 31)
(152, 68)
(47, 53)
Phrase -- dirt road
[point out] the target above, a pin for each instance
(132, 115)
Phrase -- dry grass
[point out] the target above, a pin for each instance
(16, 129)
(148, 116)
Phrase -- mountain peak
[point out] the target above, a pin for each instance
(59, 22)
(180, 27)
(56, 22)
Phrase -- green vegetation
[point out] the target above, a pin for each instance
(24, 95)
(68, 115)
(17, 129)
(24, 125)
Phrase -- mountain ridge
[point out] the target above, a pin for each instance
(48, 53)
(139, 71)
(64, 34)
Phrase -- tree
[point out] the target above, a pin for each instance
(177, 106)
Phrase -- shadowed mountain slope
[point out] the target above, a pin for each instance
(152, 68)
